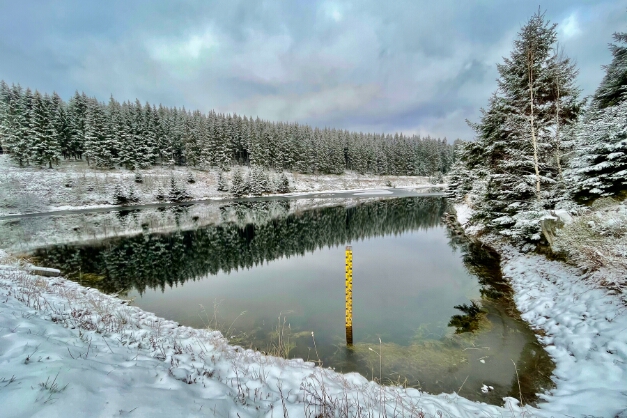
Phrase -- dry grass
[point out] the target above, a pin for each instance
(597, 241)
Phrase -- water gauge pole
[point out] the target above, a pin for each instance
(349, 295)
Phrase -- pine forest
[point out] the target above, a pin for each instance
(44, 130)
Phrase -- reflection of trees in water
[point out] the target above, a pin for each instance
(534, 366)
(468, 322)
(257, 232)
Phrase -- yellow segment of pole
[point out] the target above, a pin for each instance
(349, 295)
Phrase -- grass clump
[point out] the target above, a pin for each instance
(598, 238)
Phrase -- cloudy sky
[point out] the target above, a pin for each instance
(414, 66)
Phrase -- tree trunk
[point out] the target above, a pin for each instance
(557, 126)
(533, 130)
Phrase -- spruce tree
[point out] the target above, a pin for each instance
(514, 158)
(283, 184)
(258, 181)
(237, 184)
(61, 123)
(614, 85)
(5, 99)
(222, 187)
(599, 167)
(98, 148)
(45, 148)
(177, 192)
(77, 109)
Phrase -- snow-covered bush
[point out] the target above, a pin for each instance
(222, 186)
(119, 196)
(238, 188)
(177, 193)
(283, 185)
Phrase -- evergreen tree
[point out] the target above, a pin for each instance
(614, 85)
(77, 109)
(222, 187)
(258, 181)
(237, 184)
(45, 148)
(5, 99)
(98, 149)
(514, 156)
(23, 146)
(61, 123)
(599, 167)
(177, 192)
(283, 184)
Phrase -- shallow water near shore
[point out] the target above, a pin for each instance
(271, 278)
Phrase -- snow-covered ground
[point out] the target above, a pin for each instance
(583, 326)
(66, 350)
(73, 185)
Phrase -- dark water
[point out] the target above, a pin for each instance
(268, 278)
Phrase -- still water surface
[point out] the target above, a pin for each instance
(269, 277)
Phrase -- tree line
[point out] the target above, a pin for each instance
(41, 129)
(538, 146)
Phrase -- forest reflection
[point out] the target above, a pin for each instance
(251, 233)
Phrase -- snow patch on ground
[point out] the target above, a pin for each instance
(585, 331)
(463, 213)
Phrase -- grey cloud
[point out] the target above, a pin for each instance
(414, 66)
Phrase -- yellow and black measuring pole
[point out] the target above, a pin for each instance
(349, 295)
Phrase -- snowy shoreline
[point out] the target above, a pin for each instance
(582, 325)
(369, 192)
(75, 186)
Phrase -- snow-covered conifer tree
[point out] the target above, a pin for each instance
(45, 147)
(77, 110)
(599, 167)
(61, 123)
(614, 85)
(237, 183)
(283, 185)
(516, 134)
(222, 187)
(98, 149)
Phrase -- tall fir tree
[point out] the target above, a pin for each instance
(514, 158)
(599, 167)
(45, 148)
(614, 85)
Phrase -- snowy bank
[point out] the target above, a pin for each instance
(67, 350)
(583, 326)
(73, 185)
